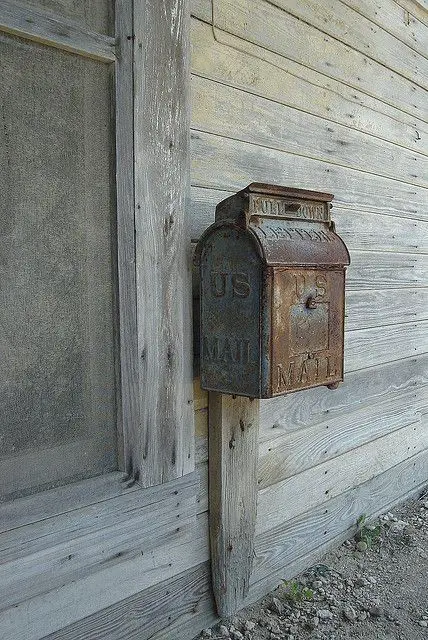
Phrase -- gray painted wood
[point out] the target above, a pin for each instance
(287, 417)
(361, 390)
(388, 15)
(358, 32)
(371, 347)
(51, 503)
(304, 448)
(278, 549)
(49, 29)
(117, 550)
(233, 443)
(164, 444)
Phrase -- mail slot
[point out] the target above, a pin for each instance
(272, 293)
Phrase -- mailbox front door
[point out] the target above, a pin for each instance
(307, 318)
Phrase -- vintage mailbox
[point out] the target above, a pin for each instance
(272, 273)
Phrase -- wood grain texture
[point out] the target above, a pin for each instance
(278, 549)
(361, 392)
(353, 29)
(374, 308)
(396, 20)
(164, 443)
(361, 389)
(229, 165)
(201, 9)
(266, 25)
(370, 270)
(417, 8)
(278, 502)
(233, 443)
(236, 114)
(125, 232)
(177, 608)
(40, 557)
(46, 28)
(371, 347)
(305, 448)
(181, 607)
(45, 614)
(54, 502)
(232, 113)
(235, 62)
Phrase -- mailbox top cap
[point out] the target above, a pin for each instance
(289, 192)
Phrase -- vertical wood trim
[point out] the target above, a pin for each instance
(233, 446)
(164, 449)
(125, 230)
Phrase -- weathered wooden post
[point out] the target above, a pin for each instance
(272, 289)
(233, 447)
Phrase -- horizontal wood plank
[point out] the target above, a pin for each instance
(352, 28)
(35, 573)
(279, 548)
(300, 450)
(370, 270)
(375, 308)
(58, 529)
(46, 28)
(371, 347)
(202, 9)
(182, 606)
(362, 390)
(232, 113)
(396, 20)
(51, 503)
(176, 608)
(279, 502)
(230, 165)
(36, 558)
(266, 25)
(235, 62)
(48, 613)
(417, 8)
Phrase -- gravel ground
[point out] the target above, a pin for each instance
(374, 587)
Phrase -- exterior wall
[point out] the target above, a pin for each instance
(329, 96)
(326, 96)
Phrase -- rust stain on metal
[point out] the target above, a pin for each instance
(272, 293)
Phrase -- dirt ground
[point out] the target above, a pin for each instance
(374, 587)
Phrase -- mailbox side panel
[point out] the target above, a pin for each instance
(230, 313)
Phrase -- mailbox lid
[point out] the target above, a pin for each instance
(297, 242)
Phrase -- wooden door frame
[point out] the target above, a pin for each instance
(150, 54)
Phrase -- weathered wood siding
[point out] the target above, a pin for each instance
(329, 96)
(326, 95)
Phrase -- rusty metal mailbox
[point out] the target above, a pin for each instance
(272, 273)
